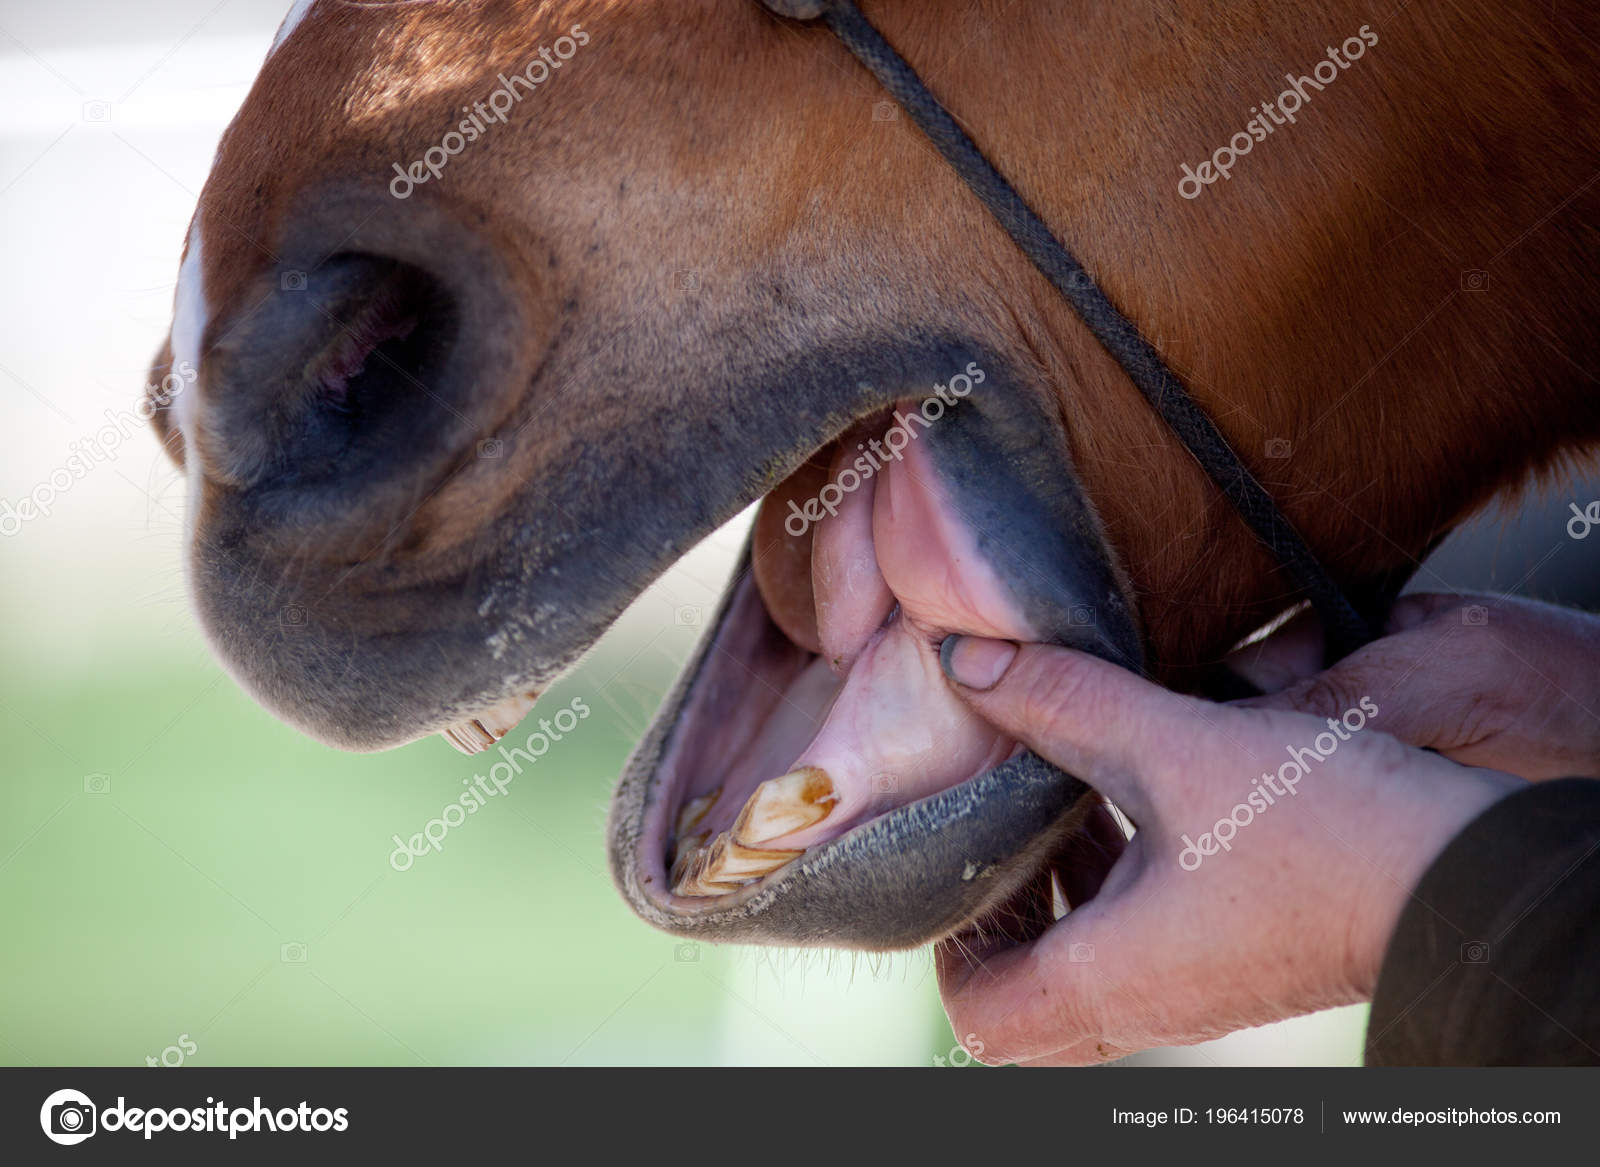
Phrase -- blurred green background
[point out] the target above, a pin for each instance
(175, 862)
(178, 869)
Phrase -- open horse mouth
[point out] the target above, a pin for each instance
(813, 779)
(817, 768)
(814, 776)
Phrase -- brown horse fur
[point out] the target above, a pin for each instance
(1322, 297)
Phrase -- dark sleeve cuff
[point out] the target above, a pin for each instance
(1495, 957)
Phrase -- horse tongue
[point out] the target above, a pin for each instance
(852, 599)
(781, 555)
(896, 733)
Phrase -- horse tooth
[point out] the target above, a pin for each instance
(476, 734)
(686, 872)
(694, 881)
(690, 814)
(781, 806)
(729, 861)
(689, 874)
(685, 851)
(734, 858)
(469, 736)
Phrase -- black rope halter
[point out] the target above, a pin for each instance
(1345, 628)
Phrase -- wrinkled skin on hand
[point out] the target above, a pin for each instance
(1292, 917)
(1497, 681)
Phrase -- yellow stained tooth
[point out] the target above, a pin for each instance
(729, 860)
(781, 806)
(734, 858)
(686, 882)
(686, 850)
(690, 814)
(694, 881)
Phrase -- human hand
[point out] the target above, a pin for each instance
(1191, 935)
(1503, 682)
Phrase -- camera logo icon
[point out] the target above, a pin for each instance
(97, 111)
(1474, 615)
(1081, 616)
(292, 616)
(292, 281)
(294, 952)
(686, 953)
(491, 448)
(1081, 953)
(97, 783)
(885, 784)
(687, 280)
(1474, 280)
(688, 615)
(1475, 952)
(67, 1117)
(885, 111)
(1279, 448)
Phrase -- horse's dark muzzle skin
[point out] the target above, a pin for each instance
(926, 869)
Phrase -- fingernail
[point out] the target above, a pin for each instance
(975, 662)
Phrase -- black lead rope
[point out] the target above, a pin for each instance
(1344, 627)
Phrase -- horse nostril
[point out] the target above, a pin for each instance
(374, 334)
(335, 366)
